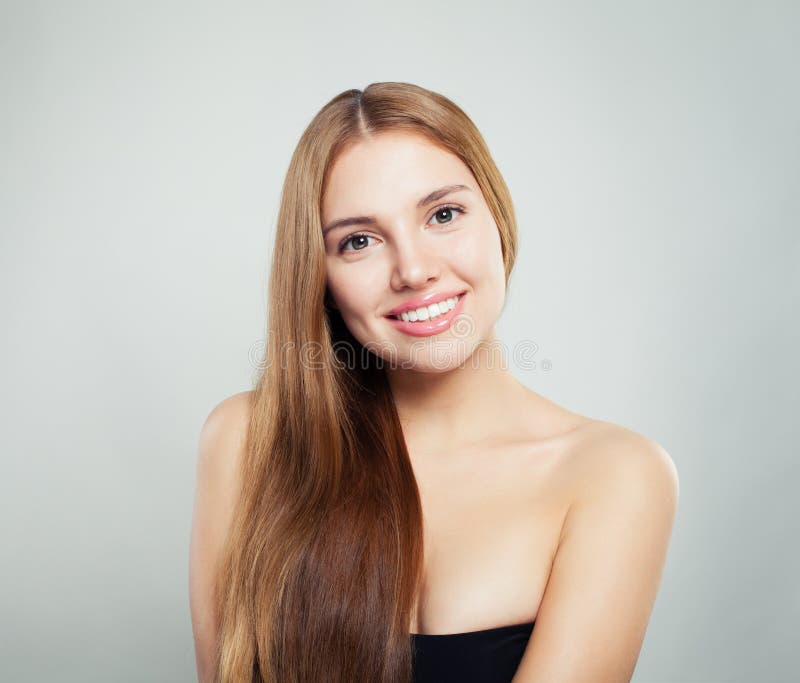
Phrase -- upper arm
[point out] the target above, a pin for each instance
(607, 569)
(220, 450)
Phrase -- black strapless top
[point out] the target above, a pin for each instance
(488, 656)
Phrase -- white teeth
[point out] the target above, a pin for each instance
(429, 312)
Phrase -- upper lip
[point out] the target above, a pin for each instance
(426, 300)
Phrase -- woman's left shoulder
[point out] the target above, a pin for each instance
(616, 456)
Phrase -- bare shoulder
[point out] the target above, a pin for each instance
(623, 493)
(592, 456)
(225, 428)
(219, 456)
(606, 457)
(220, 451)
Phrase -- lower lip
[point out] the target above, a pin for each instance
(428, 328)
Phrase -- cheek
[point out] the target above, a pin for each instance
(350, 288)
(480, 258)
(494, 256)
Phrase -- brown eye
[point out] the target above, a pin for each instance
(358, 238)
(444, 214)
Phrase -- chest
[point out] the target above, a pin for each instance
(491, 527)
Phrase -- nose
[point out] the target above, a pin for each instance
(416, 263)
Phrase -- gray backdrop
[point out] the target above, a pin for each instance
(652, 153)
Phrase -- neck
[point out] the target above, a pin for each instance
(442, 411)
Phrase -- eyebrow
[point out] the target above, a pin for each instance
(371, 220)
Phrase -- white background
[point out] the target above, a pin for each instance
(652, 150)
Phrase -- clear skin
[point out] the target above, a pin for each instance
(442, 387)
(531, 512)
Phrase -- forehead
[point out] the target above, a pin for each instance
(390, 169)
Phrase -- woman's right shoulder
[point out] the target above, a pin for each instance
(220, 452)
(224, 431)
(227, 422)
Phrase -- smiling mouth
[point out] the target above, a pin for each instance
(429, 312)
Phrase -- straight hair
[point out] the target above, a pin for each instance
(322, 565)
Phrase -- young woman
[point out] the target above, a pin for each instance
(389, 503)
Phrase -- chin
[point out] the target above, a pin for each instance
(451, 356)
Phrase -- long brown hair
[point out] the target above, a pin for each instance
(324, 557)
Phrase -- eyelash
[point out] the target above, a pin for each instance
(347, 239)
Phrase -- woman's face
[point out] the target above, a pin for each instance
(409, 248)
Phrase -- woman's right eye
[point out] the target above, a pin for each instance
(358, 237)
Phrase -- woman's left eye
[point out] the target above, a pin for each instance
(447, 210)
